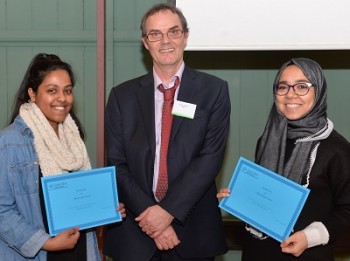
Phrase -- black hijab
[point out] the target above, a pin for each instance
(271, 148)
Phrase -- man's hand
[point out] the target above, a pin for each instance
(167, 240)
(154, 220)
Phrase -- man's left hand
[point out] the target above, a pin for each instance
(154, 220)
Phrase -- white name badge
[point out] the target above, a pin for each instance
(184, 109)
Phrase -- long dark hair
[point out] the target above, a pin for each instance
(40, 66)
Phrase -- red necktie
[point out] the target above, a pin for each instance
(167, 120)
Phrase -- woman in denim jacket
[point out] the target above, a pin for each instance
(44, 138)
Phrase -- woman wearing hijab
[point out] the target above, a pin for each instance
(299, 143)
(44, 138)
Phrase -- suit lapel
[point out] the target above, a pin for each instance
(145, 96)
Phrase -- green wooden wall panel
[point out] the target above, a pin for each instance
(17, 63)
(2, 14)
(233, 144)
(4, 108)
(128, 14)
(46, 49)
(253, 89)
(269, 90)
(90, 15)
(70, 15)
(124, 16)
(130, 63)
(109, 35)
(89, 84)
(338, 99)
(64, 27)
(18, 15)
(44, 15)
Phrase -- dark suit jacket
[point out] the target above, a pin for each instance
(195, 156)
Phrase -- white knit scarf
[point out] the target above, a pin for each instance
(57, 155)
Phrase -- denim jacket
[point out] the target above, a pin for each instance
(22, 231)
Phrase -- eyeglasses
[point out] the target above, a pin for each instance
(300, 88)
(157, 36)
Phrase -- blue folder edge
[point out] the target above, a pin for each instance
(252, 222)
(45, 181)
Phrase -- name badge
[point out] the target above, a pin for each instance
(184, 109)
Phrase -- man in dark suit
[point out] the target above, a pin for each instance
(185, 223)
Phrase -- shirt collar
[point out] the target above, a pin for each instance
(158, 81)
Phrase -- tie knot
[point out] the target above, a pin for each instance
(169, 93)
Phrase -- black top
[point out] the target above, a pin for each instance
(328, 202)
(78, 253)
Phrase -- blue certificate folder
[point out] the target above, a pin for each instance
(265, 200)
(81, 199)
